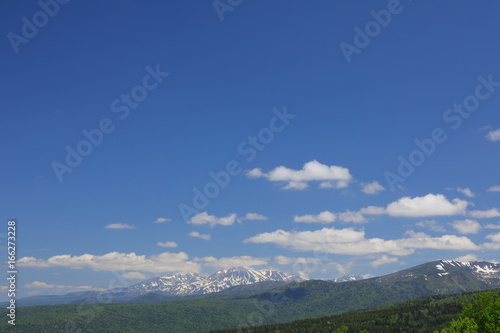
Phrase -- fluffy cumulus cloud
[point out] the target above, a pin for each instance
(120, 226)
(429, 205)
(354, 217)
(323, 217)
(162, 220)
(467, 257)
(54, 287)
(494, 212)
(383, 260)
(116, 261)
(466, 191)
(431, 225)
(353, 242)
(372, 188)
(493, 135)
(495, 242)
(329, 217)
(283, 260)
(304, 267)
(134, 276)
(196, 234)
(212, 220)
(495, 188)
(329, 176)
(372, 210)
(494, 237)
(253, 216)
(167, 244)
(466, 226)
(238, 261)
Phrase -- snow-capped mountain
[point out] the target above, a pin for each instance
(348, 278)
(448, 276)
(432, 278)
(483, 270)
(195, 284)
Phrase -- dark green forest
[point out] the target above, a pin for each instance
(195, 315)
(429, 314)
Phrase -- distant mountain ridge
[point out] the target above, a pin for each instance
(349, 278)
(278, 302)
(482, 271)
(437, 277)
(188, 284)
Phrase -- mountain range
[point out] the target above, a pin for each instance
(263, 302)
(188, 284)
(438, 277)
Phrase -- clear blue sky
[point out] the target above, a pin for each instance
(354, 113)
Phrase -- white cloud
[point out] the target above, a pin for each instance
(343, 269)
(494, 212)
(44, 285)
(492, 246)
(120, 226)
(323, 217)
(115, 261)
(383, 260)
(238, 261)
(372, 188)
(413, 234)
(494, 237)
(493, 135)
(254, 216)
(431, 225)
(352, 242)
(373, 210)
(162, 220)
(212, 220)
(354, 217)
(167, 244)
(198, 235)
(303, 267)
(492, 226)
(326, 185)
(282, 260)
(330, 176)
(329, 217)
(467, 257)
(495, 188)
(466, 226)
(467, 191)
(134, 276)
(429, 205)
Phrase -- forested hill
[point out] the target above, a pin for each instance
(422, 315)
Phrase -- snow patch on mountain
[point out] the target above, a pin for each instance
(186, 284)
(481, 269)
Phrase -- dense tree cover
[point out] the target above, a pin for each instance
(422, 315)
(315, 298)
(480, 316)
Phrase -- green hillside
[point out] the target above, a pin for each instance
(305, 300)
(417, 316)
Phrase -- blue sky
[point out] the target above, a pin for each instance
(309, 115)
